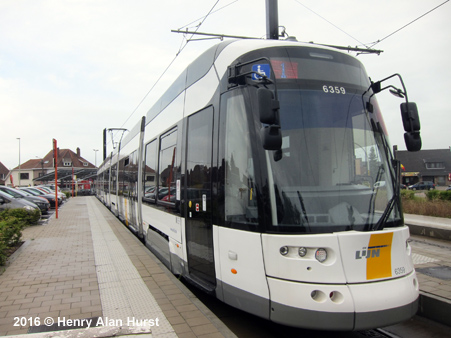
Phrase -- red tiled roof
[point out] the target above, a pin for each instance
(3, 169)
(65, 155)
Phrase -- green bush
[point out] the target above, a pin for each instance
(445, 195)
(408, 194)
(438, 195)
(12, 222)
(10, 235)
(432, 195)
(28, 217)
(3, 256)
(11, 231)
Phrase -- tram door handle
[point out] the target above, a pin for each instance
(233, 255)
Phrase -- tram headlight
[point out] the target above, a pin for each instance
(321, 255)
(302, 251)
(283, 250)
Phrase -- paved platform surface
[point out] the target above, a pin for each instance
(431, 247)
(87, 265)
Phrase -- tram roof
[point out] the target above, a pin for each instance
(229, 51)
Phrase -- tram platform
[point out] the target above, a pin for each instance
(431, 248)
(85, 268)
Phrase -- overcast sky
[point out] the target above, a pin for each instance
(70, 68)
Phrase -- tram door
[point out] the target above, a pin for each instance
(198, 225)
(132, 176)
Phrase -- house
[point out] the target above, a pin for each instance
(40, 171)
(425, 165)
(3, 173)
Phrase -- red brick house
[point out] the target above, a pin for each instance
(3, 173)
(39, 171)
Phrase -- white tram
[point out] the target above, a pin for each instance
(264, 177)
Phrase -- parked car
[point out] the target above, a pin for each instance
(426, 185)
(402, 186)
(9, 202)
(49, 190)
(449, 188)
(37, 192)
(41, 202)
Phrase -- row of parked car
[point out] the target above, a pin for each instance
(30, 198)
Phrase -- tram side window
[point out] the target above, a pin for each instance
(240, 194)
(130, 175)
(150, 172)
(122, 184)
(106, 181)
(167, 168)
(113, 179)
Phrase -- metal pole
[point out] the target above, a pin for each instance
(95, 152)
(19, 161)
(272, 20)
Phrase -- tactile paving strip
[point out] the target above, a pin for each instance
(123, 294)
(420, 259)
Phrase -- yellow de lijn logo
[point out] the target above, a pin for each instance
(377, 255)
(378, 264)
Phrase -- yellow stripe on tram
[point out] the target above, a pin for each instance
(378, 263)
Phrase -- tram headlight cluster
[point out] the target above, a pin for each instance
(284, 250)
(320, 253)
(302, 251)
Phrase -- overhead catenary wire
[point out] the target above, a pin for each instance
(203, 17)
(170, 64)
(411, 22)
(311, 10)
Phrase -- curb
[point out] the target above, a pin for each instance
(435, 308)
(437, 233)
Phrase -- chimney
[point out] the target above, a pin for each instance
(78, 152)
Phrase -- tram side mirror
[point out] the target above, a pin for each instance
(410, 117)
(411, 123)
(267, 106)
(413, 141)
(271, 137)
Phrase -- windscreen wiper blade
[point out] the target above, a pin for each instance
(304, 212)
(386, 213)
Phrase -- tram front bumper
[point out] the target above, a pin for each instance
(343, 307)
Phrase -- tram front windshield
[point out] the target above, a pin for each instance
(333, 172)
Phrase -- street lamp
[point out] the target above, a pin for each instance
(95, 152)
(18, 138)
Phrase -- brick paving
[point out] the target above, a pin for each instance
(54, 275)
(430, 261)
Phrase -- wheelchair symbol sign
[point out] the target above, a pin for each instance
(263, 69)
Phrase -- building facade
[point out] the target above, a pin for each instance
(40, 171)
(425, 165)
(3, 173)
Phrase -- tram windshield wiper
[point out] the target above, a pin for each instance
(304, 212)
(386, 213)
(393, 200)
